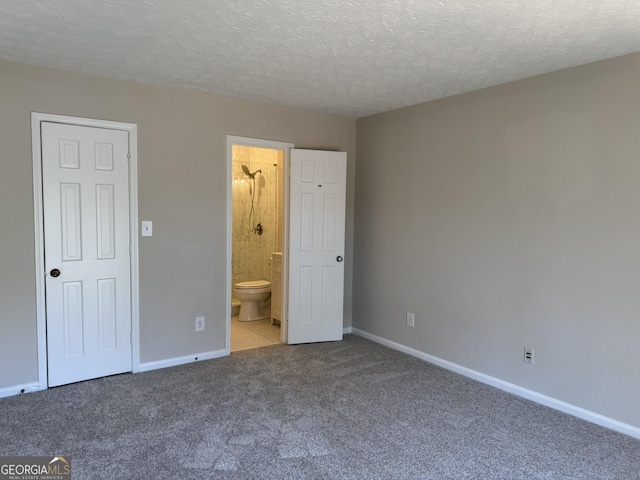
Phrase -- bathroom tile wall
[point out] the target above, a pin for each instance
(251, 253)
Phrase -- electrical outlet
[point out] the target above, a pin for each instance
(411, 319)
(199, 324)
(528, 355)
(147, 228)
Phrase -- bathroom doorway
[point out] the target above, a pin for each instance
(256, 240)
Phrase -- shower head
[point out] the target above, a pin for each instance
(245, 169)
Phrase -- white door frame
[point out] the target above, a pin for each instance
(38, 215)
(259, 143)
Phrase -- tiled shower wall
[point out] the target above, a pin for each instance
(251, 253)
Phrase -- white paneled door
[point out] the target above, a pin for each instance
(86, 233)
(316, 245)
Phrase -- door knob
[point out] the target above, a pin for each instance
(339, 258)
(54, 273)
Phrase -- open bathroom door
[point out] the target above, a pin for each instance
(317, 200)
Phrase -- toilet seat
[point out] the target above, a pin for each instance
(253, 286)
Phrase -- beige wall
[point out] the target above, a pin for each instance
(181, 172)
(510, 217)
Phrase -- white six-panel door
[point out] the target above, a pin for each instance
(86, 234)
(317, 201)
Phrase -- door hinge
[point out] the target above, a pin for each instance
(129, 157)
(131, 249)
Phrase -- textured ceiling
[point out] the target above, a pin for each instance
(347, 57)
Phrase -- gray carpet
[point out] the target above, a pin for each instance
(350, 409)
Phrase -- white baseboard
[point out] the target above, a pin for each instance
(346, 330)
(173, 362)
(18, 389)
(545, 400)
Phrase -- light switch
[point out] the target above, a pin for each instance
(147, 228)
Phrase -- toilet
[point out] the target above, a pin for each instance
(250, 295)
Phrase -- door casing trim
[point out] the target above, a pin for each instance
(38, 215)
(256, 142)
